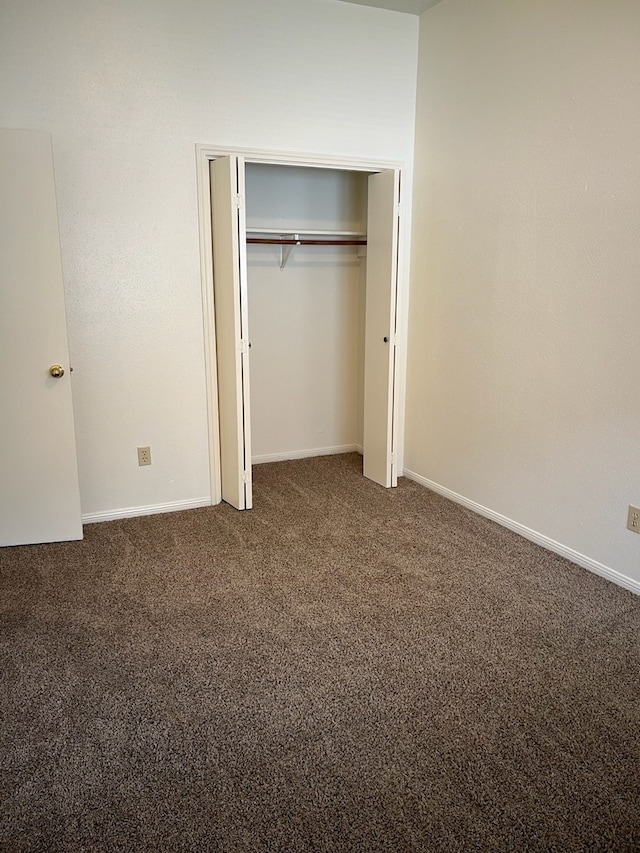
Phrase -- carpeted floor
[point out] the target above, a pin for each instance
(344, 668)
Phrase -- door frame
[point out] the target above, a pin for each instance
(204, 155)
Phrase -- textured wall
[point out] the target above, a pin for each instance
(523, 391)
(127, 87)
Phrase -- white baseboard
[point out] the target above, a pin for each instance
(550, 544)
(153, 509)
(304, 454)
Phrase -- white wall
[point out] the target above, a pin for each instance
(523, 392)
(127, 87)
(306, 322)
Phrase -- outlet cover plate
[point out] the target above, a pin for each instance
(633, 519)
(144, 456)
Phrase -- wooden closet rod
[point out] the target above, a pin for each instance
(289, 242)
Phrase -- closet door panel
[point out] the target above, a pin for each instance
(380, 328)
(231, 313)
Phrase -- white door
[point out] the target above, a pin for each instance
(39, 494)
(231, 313)
(380, 365)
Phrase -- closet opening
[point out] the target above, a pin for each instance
(306, 310)
(300, 294)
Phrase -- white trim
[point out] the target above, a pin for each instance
(210, 362)
(153, 509)
(539, 538)
(305, 454)
(291, 158)
(206, 153)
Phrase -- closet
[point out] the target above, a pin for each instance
(305, 296)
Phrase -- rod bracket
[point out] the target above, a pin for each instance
(286, 249)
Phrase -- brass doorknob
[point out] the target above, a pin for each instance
(56, 370)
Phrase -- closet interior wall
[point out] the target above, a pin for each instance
(306, 321)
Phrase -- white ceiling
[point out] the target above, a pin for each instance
(414, 7)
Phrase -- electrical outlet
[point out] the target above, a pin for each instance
(633, 519)
(144, 456)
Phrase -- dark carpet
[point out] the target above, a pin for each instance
(344, 668)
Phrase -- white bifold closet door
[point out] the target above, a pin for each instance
(380, 415)
(231, 322)
(232, 343)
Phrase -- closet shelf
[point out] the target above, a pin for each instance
(288, 239)
(325, 233)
